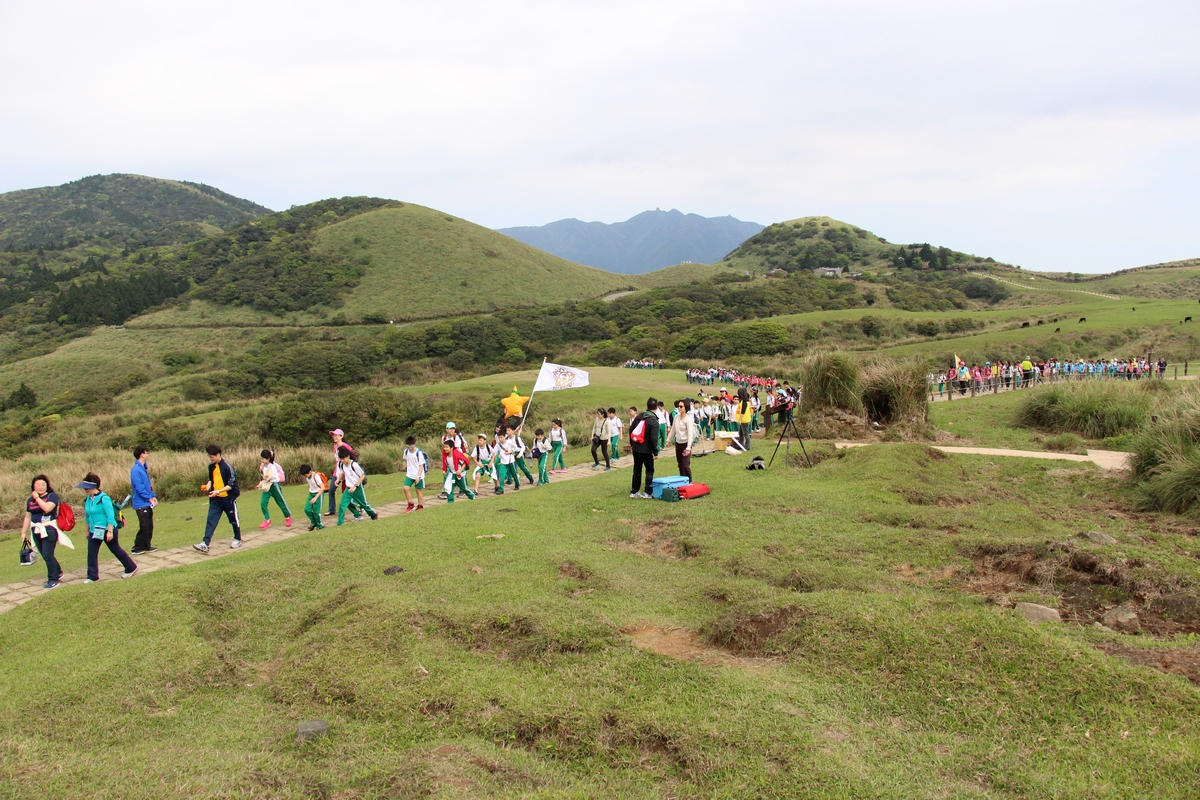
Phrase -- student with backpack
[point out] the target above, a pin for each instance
(454, 465)
(223, 491)
(514, 436)
(353, 496)
(143, 503)
(643, 441)
(541, 453)
(40, 527)
(271, 487)
(416, 464)
(103, 525)
(338, 437)
(558, 443)
(317, 484)
(485, 464)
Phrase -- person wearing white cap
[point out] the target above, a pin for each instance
(338, 441)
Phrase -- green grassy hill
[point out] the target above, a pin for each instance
(812, 242)
(834, 632)
(120, 207)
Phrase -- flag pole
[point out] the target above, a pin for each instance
(529, 405)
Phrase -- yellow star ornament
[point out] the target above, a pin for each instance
(514, 403)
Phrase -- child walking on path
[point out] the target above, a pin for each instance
(514, 436)
(508, 456)
(102, 526)
(353, 496)
(415, 466)
(454, 464)
(541, 451)
(600, 437)
(614, 432)
(558, 443)
(223, 492)
(272, 477)
(317, 484)
(485, 464)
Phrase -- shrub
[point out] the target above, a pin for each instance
(895, 391)
(831, 380)
(197, 389)
(1064, 443)
(1092, 409)
(166, 435)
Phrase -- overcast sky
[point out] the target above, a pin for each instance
(1054, 135)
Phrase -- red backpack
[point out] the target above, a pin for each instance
(66, 517)
(637, 433)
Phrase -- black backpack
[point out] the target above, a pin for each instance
(757, 463)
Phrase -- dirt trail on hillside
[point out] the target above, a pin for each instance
(1105, 459)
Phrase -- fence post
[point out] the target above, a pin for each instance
(1177, 373)
(1184, 368)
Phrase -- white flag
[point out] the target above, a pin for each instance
(556, 376)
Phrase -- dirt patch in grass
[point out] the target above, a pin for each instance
(652, 538)
(1185, 663)
(1087, 585)
(686, 645)
(569, 569)
(752, 635)
(911, 574)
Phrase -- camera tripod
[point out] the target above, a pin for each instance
(789, 427)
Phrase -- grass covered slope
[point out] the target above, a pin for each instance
(836, 653)
(425, 263)
(115, 205)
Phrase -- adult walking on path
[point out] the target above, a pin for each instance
(643, 441)
(335, 476)
(144, 501)
(41, 526)
(683, 433)
(100, 516)
(601, 433)
(223, 491)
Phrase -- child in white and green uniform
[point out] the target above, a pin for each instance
(614, 430)
(558, 443)
(416, 464)
(507, 453)
(353, 496)
(272, 474)
(514, 436)
(485, 464)
(316, 493)
(541, 451)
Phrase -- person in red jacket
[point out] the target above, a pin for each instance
(454, 464)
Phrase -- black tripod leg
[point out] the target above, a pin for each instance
(781, 433)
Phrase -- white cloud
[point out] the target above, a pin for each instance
(1023, 130)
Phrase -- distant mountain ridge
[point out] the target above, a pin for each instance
(649, 241)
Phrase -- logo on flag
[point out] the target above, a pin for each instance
(556, 376)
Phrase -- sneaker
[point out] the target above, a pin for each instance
(594, 466)
(151, 549)
(374, 517)
(235, 544)
(608, 469)
(410, 508)
(633, 495)
(50, 585)
(89, 580)
(516, 488)
(287, 523)
(420, 508)
(331, 513)
(266, 523)
(312, 528)
(645, 496)
(202, 547)
(320, 527)
(136, 552)
(442, 496)
(136, 570)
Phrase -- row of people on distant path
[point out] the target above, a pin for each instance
(711, 376)
(644, 363)
(1006, 375)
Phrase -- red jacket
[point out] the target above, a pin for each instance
(456, 456)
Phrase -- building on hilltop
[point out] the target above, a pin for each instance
(828, 272)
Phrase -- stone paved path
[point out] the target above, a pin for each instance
(1106, 459)
(14, 594)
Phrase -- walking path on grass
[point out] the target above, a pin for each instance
(14, 594)
(1105, 459)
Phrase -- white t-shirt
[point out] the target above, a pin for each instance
(314, 484)
(352, 475)
(615, 426)
(508, 451)
(558, 435)
(415, 464)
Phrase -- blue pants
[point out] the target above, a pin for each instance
(216, 507)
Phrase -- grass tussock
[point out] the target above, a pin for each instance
(832, 380)
(895, 391)
(1166, 457)
(1094, 410)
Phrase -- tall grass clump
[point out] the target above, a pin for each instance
(1166, 457)
(896, 391)
(832, 380)
(1092, 409)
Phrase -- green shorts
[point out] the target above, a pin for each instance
(417, 482)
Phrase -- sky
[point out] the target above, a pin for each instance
(1057, 136)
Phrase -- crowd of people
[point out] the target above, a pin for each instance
(644, 363)
(1008, 375)
(711, 376)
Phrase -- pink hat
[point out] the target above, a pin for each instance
(336, 432)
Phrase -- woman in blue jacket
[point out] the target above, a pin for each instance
(102, 527)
